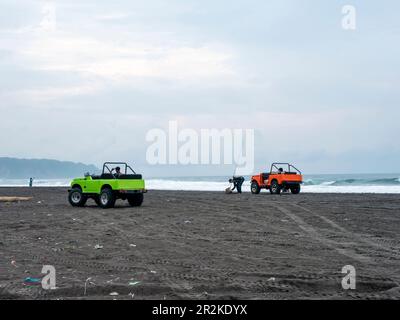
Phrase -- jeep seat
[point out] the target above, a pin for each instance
(130, 177)
(107, 176)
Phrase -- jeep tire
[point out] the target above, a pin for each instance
(76, 198)
(107, 198)
(255, 188)
(295, 189)
(136, 200)
(275, 188)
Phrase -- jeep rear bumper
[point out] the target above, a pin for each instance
(291, 183)
(132, 191)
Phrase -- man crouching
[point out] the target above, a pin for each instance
(237, 184)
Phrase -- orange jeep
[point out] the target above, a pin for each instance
(278, 179)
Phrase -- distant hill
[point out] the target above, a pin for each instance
(12, 168)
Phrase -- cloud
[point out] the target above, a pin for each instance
(116, 62)
(112, 16)
(284, 68)
(48, 94)
(112, 61)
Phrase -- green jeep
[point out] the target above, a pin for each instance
(106, 188)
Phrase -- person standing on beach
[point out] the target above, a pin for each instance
(30, 182)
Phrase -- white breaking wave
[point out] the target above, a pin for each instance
(36, 182)
(220, 186)
(159, 184)
(351, 189)
(326, 187)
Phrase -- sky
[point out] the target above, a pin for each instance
(86, 80)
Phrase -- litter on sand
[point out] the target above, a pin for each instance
(134, 283)
(32, 281)
(114, 294)
(132, 245)
(98, 246)
(14, 199)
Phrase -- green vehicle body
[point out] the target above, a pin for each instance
(91, 186)
(106, 188)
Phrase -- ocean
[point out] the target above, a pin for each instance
(326, 183)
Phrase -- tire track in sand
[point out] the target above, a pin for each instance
(313, 233)
(359, 238)
(354, 235)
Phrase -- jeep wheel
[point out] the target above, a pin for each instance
(295, 189)
(136, 200)
(275, 187)
(255, 188)
(76, 198)
(107, 198)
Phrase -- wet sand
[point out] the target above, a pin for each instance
(201, 245)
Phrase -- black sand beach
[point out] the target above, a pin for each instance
(201, 245)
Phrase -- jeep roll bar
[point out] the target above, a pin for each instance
(106, 164)
(276, 164)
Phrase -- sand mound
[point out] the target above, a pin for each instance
(14, 199)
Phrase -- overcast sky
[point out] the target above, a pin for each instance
(89, 87)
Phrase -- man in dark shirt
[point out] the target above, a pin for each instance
(237, 183)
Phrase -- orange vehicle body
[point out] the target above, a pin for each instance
(278, 180)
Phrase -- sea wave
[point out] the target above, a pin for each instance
(36, 182)
(324, 187)
(354, 182)
(311, 184)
